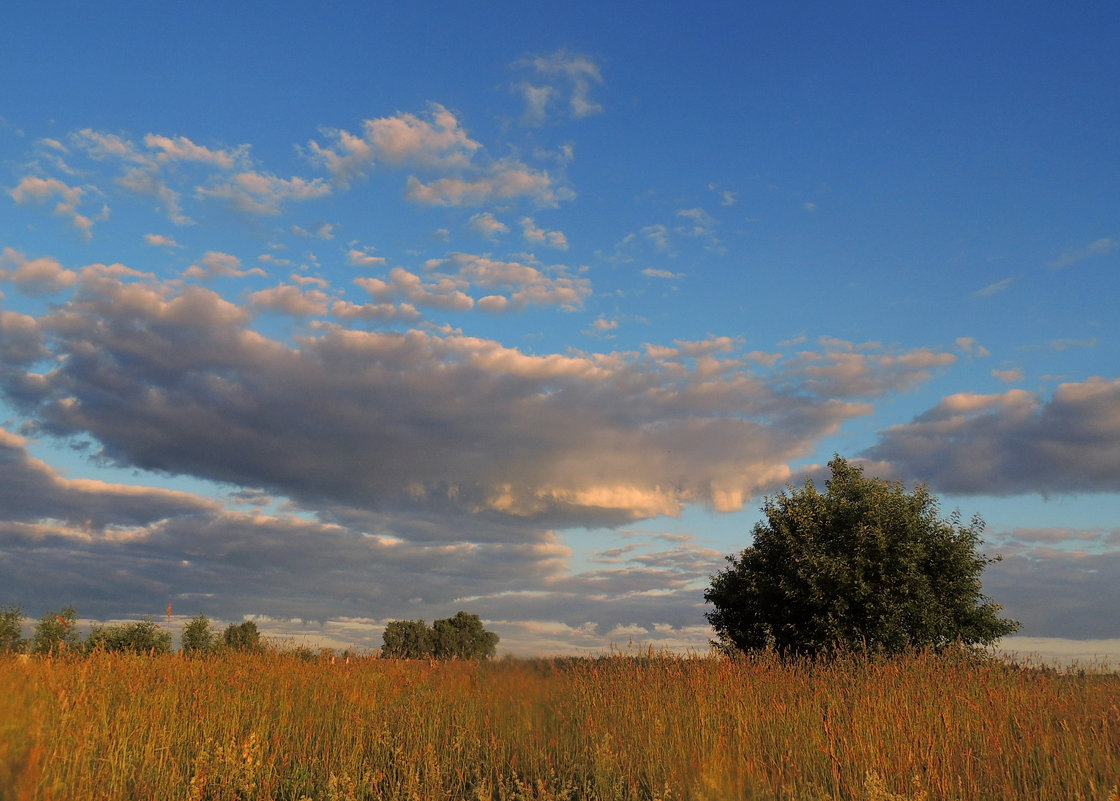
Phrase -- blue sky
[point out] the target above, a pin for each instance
(332, 315)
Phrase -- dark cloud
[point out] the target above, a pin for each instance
(1011, 443)
(174, 379)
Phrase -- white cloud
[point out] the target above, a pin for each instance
(438, 142)
(527, 284)
(160, 241)
(576, 73)
(291, 300)
(1099, 247)
(318, 230)
(41, 276)
(32, 189)
(216, 263)
(264, 194)
(442, 293)
(537, 235)
(505, 180)
(487, 225)
(360, 258)
(180, 148)
(650, 272)
(1010, 376)
(992, 289)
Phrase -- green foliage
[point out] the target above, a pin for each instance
(198, 637)
(459, 637)
(242, 637)
(140, 637)
(463, 637)
(407, 639)
(56, 633)
(11, 630)
(865, 566)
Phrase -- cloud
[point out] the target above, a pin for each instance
(438, 142)
(1010, 376)
(1012, 443)
(573, 76)
(527, 285)
(650, 272)
(173, 379)
(264, 194)
(442, 293)
(32, 189)
(846, 369)
(318, 230)
(142, 169)
(144, 182)
(360, 258)
(180, 148)
(160, 241)
(505, 180)
(993, 289)
(487, 225)
(1057, 592)
(292, 300)
(215, 263)
(537, 235)
(421, 426)
(971, 347)
(42, 276)
(434, 145)
(1099, 247)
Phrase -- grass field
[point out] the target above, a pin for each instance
(276, 727)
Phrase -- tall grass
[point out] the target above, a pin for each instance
(275, 727)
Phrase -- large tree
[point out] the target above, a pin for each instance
(463, 637)
(459, 637)
(865, 566)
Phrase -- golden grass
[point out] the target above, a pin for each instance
(275, 727)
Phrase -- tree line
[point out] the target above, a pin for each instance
(56, 633)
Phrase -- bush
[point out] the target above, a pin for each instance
(56, 633)
(198, 636)
(11, 630)
(141, 637)
(242, 637)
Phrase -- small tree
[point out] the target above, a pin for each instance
(463, 637)
(865, 566)
(242, 636)
(56, 633)
(141, 637)
(11, 630)
(407, 639)
(198, 636)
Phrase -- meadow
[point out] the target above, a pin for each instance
(273, 726)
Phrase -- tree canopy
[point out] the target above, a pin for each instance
(865, 566)
(459, 637)
(198, 636)
(56, 632)
(139, 637)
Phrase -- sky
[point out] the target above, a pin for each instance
(327, 315)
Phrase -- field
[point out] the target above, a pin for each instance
(277, 727)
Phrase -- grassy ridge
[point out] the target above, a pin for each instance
(275, 727)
